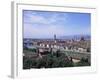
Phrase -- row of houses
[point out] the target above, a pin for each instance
(80, 46)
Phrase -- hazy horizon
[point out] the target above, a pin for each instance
(65, 37)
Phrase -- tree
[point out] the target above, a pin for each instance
(27, 63)
(83, 62)
(88, 50)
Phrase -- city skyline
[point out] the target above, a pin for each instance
(44, 24)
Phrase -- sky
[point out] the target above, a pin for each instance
(44, 24)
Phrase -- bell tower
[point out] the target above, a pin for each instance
(55, 40)
(54, 36)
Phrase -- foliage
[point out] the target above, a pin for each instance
(52, 60)
(29, 49)
(48, 61)
(88, 50)
(27, 63)
(83, 62)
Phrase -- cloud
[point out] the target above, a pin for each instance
(32, 17)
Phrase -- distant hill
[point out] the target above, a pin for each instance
(76, 37)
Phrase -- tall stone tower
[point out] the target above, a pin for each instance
(54, 37)
(55, 40)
